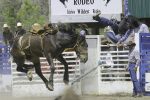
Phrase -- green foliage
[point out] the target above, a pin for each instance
(9, 12)
(29, 14)
(25, 11)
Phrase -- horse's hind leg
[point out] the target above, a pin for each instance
(66, 74)
(20, 68)
(20, 62)
(29, 68)
(37, 65)
(50, 61)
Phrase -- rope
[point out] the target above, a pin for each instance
(88, 72)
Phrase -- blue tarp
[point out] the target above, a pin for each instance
(145, 60)
(5, 64)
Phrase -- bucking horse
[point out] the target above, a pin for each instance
(50, 43)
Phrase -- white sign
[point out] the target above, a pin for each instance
(83, 10)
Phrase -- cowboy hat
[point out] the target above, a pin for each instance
(5, 25)
(19, 24)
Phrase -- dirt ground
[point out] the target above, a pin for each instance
(70, 94)
(127, 97)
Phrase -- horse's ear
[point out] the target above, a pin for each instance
(50, 25)
(45, 26)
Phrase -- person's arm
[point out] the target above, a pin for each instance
(106, 22)
(145, 28)
(12, 35)
(24, 31)
(137, 57)
(125, 36)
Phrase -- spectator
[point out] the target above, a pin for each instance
(7, 35)
(131, 39)
(20, 31)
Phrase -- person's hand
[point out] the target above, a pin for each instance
(119, 44)
(108, 44)
(127, 68)
(96, 17)
(108, 29)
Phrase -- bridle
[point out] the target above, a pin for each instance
(76, 46)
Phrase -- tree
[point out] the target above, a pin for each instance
(9, 12)
(29, 14)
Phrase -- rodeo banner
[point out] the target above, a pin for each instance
(83, 10)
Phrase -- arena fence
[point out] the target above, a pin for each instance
(111, 77)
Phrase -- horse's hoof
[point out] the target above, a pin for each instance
(66, 82)
(50, 86)
(29, 75)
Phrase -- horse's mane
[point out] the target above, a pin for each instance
(66, 27)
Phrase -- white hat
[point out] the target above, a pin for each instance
(5, 25)
(19, 24)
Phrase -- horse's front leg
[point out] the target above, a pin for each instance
(66, 74)
(50, 61)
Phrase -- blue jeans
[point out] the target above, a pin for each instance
(112, 37)
(135, 81)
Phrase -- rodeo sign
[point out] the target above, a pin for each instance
(83, 10)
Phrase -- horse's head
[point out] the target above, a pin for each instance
(81, 48)
(66, 27)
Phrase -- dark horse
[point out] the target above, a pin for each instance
(51, 46)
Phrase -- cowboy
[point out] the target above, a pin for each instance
(20, 31)
(131, 39)
(117, 28)
(7, 35)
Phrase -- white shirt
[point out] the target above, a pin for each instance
(134, 56)
(143, 29)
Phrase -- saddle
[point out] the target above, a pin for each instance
(36, 29)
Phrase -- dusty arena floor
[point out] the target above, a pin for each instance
(127, 97)
(70, 94)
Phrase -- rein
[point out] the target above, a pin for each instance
(75, 46)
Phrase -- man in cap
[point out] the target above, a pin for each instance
(7, 35)
(20, 31)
